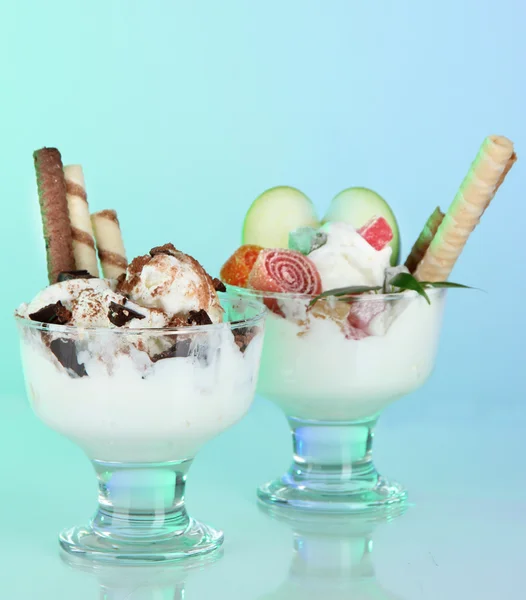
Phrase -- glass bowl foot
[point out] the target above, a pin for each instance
(196, 539)
(350, 497)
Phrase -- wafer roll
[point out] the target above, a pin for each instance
(81, 229)
(495, 158)
(424, 239)
(109, 243)
(54, 209)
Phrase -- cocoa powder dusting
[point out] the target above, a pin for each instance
(133, 275)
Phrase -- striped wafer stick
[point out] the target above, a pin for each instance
(81, 229)
(495, 158)
(109, 243)
(54, 209)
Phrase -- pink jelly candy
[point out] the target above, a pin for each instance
(363, 312)
(377, 232)
(288, 271)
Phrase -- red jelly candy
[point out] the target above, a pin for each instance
(377, 232)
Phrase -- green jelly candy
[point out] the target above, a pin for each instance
(306, 239)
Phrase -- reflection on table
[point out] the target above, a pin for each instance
(332, 556)
(128, 582)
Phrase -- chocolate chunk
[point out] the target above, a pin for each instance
(219, 286)
(119, 315)
(180, 348)
(199, 317)
(243, 336)
(166, 249)
(69, 275)
(53, 314)
(66, 353)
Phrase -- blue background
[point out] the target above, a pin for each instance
(183, 112)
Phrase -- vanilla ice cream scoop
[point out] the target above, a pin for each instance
(65, 292)
(106, 309)
(348, 259)
(95, 303)
(172, 281)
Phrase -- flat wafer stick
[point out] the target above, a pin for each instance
(494, 160)
(54, 210)
(424, 239)
(81, 228)
(109, 243)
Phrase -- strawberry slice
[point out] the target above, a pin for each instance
(377, 232)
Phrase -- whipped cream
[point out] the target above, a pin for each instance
(347, 259)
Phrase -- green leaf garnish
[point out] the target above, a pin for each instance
(445, 284)
(352, 290)
(406, 281)
(403, 281)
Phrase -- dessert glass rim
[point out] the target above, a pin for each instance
(363, 297)
(260, 308)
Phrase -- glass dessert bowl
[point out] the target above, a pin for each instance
(140, 403)
(332, 380)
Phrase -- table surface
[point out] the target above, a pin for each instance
(462, 537)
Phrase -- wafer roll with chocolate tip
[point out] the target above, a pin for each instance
(424, 239)
(109, 243)
(81, 228)
(54, 209)
(495, 158)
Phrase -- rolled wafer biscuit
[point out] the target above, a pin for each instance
(54, 209)
(424, 239)
(494, 159)
(109, 243)
(81, 228)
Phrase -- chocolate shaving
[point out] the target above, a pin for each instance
(180, 348)
(53, 314)
(69, 275)
(66, 353)
(199, 317)
(119, 315)
(243, 336)
(219, 286)
(169, 249)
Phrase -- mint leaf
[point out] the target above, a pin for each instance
(353, 290)
(445, 284)
(405, 281)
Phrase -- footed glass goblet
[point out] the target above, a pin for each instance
(333, 367)
(141, 403)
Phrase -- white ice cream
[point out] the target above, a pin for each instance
(108, 370)
(128, 409)
(312, 371)
(347, 259)
(175, 284)
(65, 292)
(89, 301)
